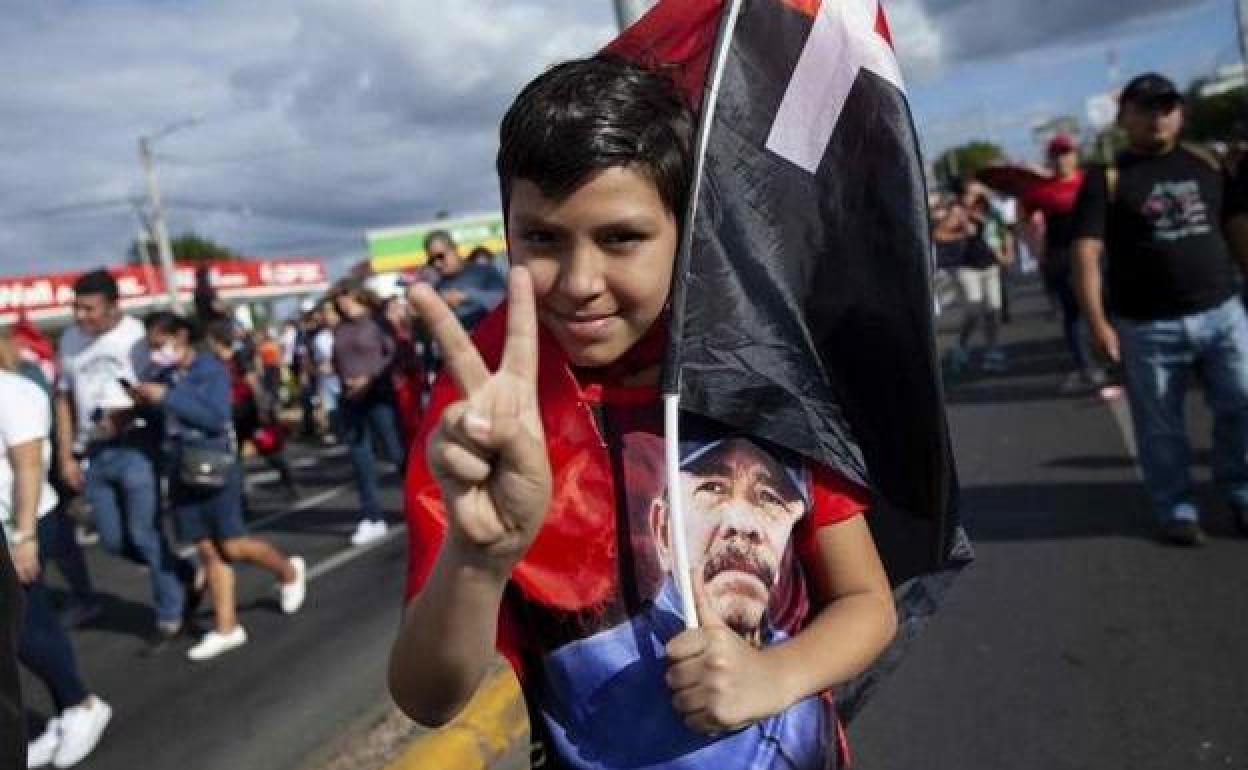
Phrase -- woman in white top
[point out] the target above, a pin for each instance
(25, 500)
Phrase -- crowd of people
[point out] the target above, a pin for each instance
(1143, 258)
(130, 422)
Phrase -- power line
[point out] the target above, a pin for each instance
(286, 150)
(68, 209)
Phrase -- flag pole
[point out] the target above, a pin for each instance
(672, 373)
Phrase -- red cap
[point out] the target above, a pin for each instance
(1060, 145)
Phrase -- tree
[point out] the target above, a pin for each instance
(1218, 117)
(187, 247)
(965, 161)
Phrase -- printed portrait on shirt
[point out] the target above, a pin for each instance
(740, 507)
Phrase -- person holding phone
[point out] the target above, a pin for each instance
(193, 392)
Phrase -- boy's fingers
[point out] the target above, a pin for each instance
(458, 353)
(520, 352)
(462, 463)
(690, 702)
(688, 644)
(684, 675)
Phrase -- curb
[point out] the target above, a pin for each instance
(491, 725)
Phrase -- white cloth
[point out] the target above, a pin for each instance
(25, 416)
(92, 367)
(977, 286)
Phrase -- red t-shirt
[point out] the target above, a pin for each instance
(588, 611)
(1056, 198)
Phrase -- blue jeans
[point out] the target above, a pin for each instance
(58, 545)
(1073, 330)
(1158, 358)
(364, 422)
(44, 648)
(124, 495)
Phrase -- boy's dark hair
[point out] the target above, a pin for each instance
(99, 282)
(586, 115)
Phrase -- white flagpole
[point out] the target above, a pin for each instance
(671, 401)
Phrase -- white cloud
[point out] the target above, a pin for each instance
(919, 43)
(321, 118)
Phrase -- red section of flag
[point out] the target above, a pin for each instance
(677, 36)
(881, 25)
(808, 7)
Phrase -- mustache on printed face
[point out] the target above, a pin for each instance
(739, 559)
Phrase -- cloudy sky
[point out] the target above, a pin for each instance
(318, 119)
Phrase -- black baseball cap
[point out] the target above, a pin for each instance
(1151, 91)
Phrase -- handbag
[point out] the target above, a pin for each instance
(208, 470)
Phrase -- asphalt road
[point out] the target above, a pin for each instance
(1076, 640)
(299, 682)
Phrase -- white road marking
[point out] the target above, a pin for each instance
(345, 557)
(305, 503)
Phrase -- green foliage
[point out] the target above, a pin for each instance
(1216, 118)
(187, 247)
(966, 160)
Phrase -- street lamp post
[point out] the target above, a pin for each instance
(161, 233)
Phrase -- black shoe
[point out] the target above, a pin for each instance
(160, 640)
(1183, 532)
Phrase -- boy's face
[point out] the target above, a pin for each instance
(601, 260)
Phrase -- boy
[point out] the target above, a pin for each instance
(538, 514)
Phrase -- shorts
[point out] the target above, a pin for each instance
(216, 515)
(980, 286)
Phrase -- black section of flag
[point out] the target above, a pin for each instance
(807, 308)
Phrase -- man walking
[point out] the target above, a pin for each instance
(1157, 215)
(96, 421)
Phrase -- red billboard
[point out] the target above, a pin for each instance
(49, 297)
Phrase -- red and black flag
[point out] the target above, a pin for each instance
(801, 307)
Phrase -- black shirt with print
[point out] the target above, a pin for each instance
(1162, 228)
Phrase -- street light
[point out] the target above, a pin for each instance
(163, 246)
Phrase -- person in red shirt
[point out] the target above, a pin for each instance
(531, 498)
(1050, 208)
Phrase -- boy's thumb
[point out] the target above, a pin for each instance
(708, 616)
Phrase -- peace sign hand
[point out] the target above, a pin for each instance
(488, 453)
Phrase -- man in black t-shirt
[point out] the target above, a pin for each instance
(1172, 282)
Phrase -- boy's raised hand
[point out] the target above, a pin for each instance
(489, 452)
(719, 681)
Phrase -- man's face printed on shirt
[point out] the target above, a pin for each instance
(740, 508)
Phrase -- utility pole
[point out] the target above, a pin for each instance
(627, 12)
(161, 233)
(1241, 16)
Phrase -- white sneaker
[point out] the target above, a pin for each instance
(368, 532)
(294, 592)
(40, 751)
(81, 728)
(215, 643)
